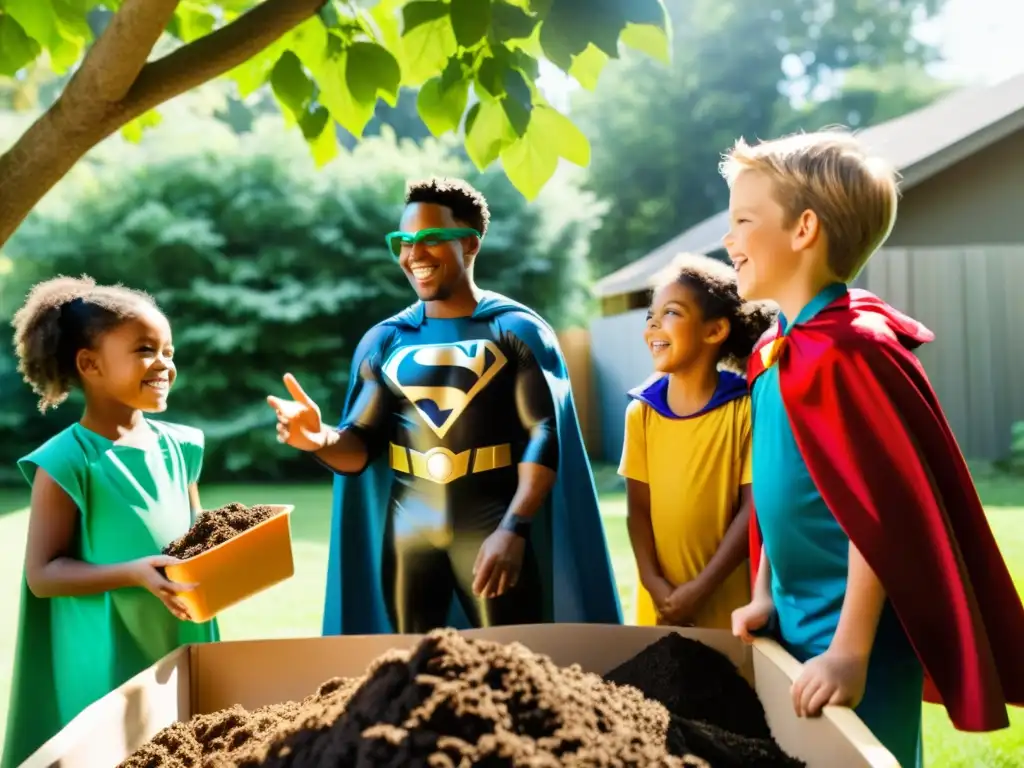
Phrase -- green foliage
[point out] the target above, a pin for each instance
(475, 62)
(265, 265)
(739, 68)
(1016, 461)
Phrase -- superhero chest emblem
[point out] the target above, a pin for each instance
(441, 380)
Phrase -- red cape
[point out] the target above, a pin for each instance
(879, 449)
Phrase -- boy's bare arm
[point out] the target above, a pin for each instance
(839, 675)
(862, 609)
(763, 584)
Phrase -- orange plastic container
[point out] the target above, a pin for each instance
(239, 568)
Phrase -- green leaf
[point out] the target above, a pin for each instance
(517, 88)
(564, 138)
(470, 21)
(518, 101)
(191, 21)
(649, 39)
(309, 41)
(491, 77)
(441, 108)
(571, 25)
(420, 12)
(329, 14)
(371, 70)
(526, 64)
(318, 128)
(587, 67)
(316, 50)
(384, 17)
(510, 22)
(488, 132)
(17, 49)
(425, 50)
(518, 114)
(351, 113)
(453, 73)
(72, 35)
(291, 84)
(36, 17)
(530, 162)
(133, 131)
(252, 74)
(325, 146)
(312, 122)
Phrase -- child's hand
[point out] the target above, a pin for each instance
(145, 572)
(681, 605)
(751, 617)
(832, 678)
(659, 590)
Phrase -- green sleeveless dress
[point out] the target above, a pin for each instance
(71, 651)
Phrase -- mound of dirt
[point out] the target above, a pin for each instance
(453, 702)
(215, 526)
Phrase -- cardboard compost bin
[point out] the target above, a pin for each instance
(199, 679)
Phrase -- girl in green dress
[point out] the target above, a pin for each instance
(108, 494)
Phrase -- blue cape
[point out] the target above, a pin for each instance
(654, 392)
(568, 534)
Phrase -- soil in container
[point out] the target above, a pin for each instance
(215, 526)
(452, 701)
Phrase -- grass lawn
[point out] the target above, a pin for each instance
(294, 607)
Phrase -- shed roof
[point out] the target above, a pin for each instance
(919, 144)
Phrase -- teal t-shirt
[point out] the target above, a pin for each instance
(809, 556)
(71, 651)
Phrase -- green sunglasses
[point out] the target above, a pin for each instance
(398, 241)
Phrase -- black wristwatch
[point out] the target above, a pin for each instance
(520, 526)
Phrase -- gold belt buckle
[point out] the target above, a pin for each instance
(441, 465)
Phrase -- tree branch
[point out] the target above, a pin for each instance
(114, 62)
(115, 84)
(215, 54)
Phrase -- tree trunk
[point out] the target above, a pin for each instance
(115, 85)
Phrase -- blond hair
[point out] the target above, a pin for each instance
(854, 194)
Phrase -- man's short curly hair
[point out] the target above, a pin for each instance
(465, 202)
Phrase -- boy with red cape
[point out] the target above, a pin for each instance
(874, 563)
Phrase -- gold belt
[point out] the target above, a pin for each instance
(439, 465)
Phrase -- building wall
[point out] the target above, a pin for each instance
(621, 361)
(979, 201)
(971, 299)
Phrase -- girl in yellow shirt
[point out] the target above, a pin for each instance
(686, 454)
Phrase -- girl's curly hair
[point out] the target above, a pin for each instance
(713, 284)
(59, 318)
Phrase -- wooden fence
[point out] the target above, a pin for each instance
(575, 344)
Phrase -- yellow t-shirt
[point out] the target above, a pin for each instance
(694, 468)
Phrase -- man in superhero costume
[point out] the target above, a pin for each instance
(463, 495)
(877, 566)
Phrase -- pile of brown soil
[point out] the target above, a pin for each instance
(215, 526)
(453, 702)
(222, 738)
